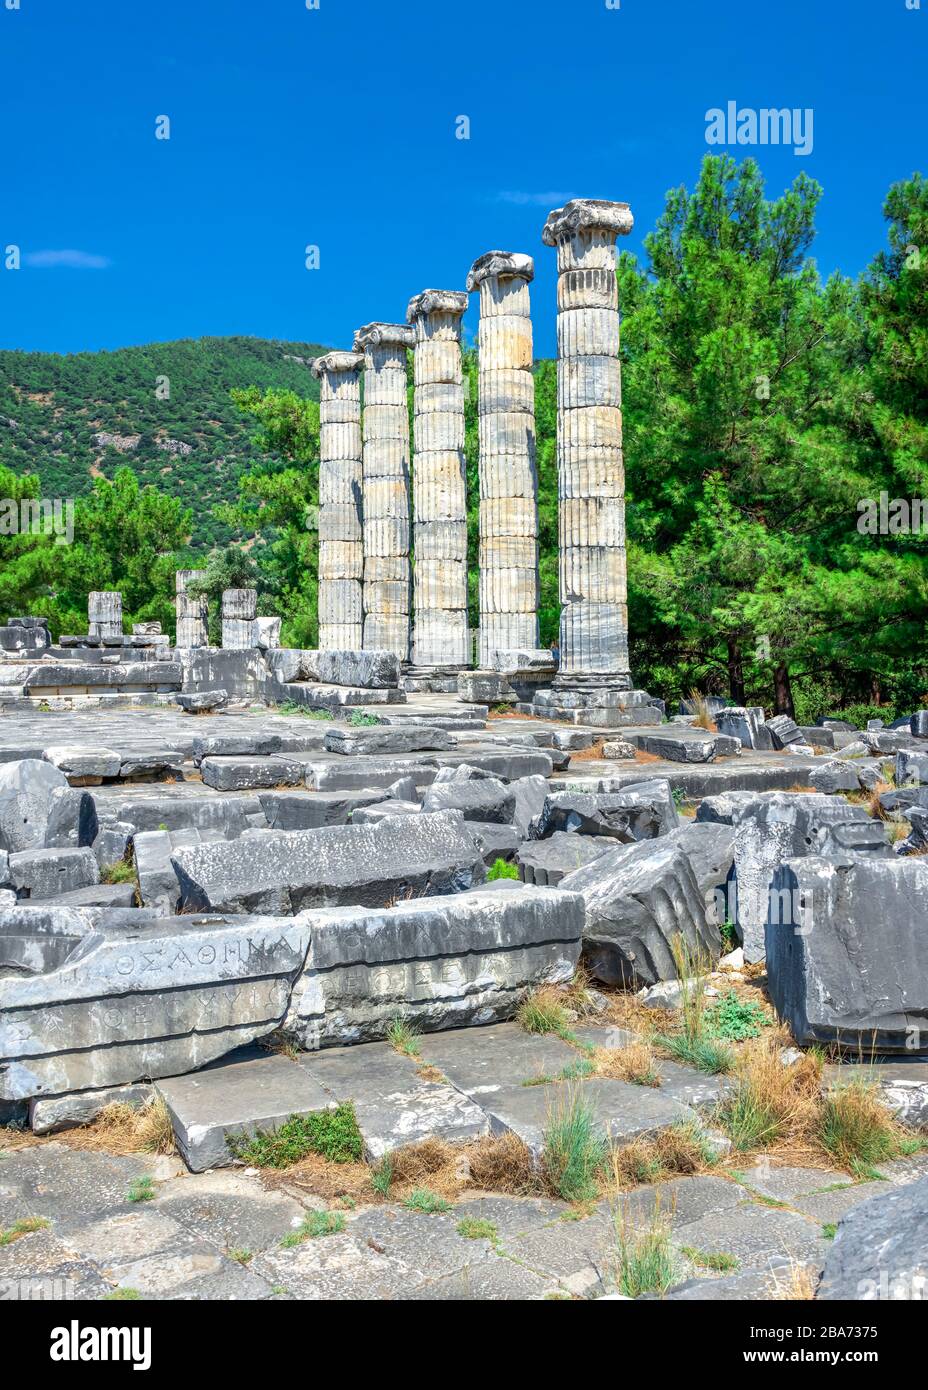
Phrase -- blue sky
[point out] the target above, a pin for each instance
(336, 127)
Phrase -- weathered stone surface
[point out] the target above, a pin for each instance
(158, 885)
(746, 724)
(202, 701)
(496, 841)
(618, 748)
(242, 672)
(784, 731)
(393, 1104)
(530, 794)
(834, 777)
(363, 774)
(408, 737)
(725, 808)
(696, 748)
(911, 766)
(52, 1113)
(44, 873)
(143, 997)
(236, 1098)
(72, 819)
(781, 825)
(880, 1251)
(26, 788)
(364, 864)
(548, 861)
(641, 811)
(376, 670)
(310, 810)
(478, 799)
(831, 974)
(440, 962)
(37, 939)
(228, 815)
(710, 848)
(638, 898)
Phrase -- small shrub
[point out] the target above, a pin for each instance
(472, 1228)
(123, 871)
(829, 1230)
(332, 1133)
(241, 1255)
(291, 707)
(358, 719)
(402, 1037)
(425, 1200)
(858, 1131)
(730, 940)
(634, 1063)
(574, 1153)
(141, 1190)
(502, 869)
(680, 1150)
(314, 1225)
(503, 1164)
(735, 1019)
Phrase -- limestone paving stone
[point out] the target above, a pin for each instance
(41, 1266)
(230, 1209)
(755, 1235)
(483, 1061)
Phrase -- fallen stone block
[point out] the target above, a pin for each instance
(54, 1113)
(243, 774)
(639, 898)
(439, 962)
(229, 816)
(834, 777)
(241, 672)
(496, 841)
(45, 873)
(402, 856)
(158, 885)
(478, 799)
(37, 939)
(139, 996)
(530, 794)
(236, 1099)
(780, 826)
(364, 774)
(105, 895)
(694, 749)
(26, 789)
(238, 745)
(618, 748)
(880, 1250)
(77, 676)
(388, 738)
(202, 701)
(833, 973)
(724, 808)
(72, 819)
(911, 767)
(372, 815)
(153, 766)
(112, 842)
(377, 670)
(484, 688)
(547, 862)
(746, 724)
(639, 812)
(80, 761)
(710, 848)
(309, 810)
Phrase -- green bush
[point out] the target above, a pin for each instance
(332, 1133)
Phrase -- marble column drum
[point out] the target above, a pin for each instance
(508, 565)
(239, 610)
(104, 613)
(440, 634)
(591, 476)
(386, 473)
(191, 611)
(341, 535)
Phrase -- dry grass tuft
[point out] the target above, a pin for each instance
(125, 1129)
(12, 1138)
(593, 754)
(702, 714)
(320, 1177)
(635, 1063)
(873, 801)
(435, 1164)
(503, 1164)
(678, 1151)
(771, 1104)
(798, 1286)
(642, 757)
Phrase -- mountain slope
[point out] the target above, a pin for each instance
(163, 408)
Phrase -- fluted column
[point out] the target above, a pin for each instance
(104, 613)
(386, 486)
(440, 635)
(591, 476)
(191, 611)
(508, 566)
(239, 610)
(341, 545)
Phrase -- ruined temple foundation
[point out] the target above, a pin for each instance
(591, 478)
(441, 640)
(386, 472)
(341, 540)
(508, 556)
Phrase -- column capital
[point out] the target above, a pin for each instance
(384, 334)
(430, 301)
(336, 362)
(584, 215)
(501, 265)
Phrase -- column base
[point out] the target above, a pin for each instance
(592, 682)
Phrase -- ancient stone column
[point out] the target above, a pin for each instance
(508, 566)
(192, 611)
(386, 486)
(440, 635)
(104, 613)
(341, 546)
(591, 477)
(239, 610)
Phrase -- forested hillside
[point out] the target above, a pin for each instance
(164, 408)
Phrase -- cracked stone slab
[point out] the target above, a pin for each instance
(623, 1112)
(394, 1105)
(41, 1266)
(236, 1098)
(229, 1208)
(754, 1234)
(484, 1061)
(70, 1185)
(786, 1183)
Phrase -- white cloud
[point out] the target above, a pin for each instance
(70, 259)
